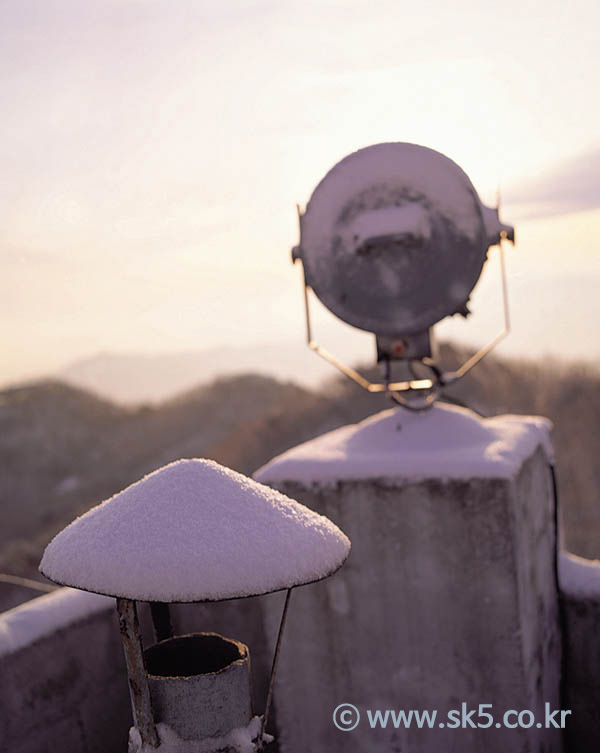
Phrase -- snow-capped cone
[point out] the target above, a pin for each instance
(195, 531)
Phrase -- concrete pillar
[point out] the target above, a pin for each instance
(448, 597)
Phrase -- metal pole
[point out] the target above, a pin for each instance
(36, 585)
(161, 620)
(136, 672)
(474, 360)
(274, 666)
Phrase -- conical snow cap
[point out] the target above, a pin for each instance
(195, 531)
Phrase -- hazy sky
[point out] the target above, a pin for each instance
(153, 152)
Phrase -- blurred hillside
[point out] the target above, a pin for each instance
(130, 378)
(62, 449)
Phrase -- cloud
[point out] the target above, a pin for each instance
(572, 185)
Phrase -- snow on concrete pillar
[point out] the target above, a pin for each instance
(449, 594)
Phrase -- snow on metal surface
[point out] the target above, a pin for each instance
(195, 531)
(393, 238)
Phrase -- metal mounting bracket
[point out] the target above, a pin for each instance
(415, 394)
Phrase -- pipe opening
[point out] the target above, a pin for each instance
(195, 654)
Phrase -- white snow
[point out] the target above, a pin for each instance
(579, 576)
(195, 531)
(446, 441)
(29, 622)
(410, 218)
(241, 740)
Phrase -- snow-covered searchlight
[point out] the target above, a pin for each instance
(193, 531)
(393, 240)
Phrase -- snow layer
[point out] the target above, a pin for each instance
(579, 576)
(240, 740)
(445, 441)
(410, 218)
(195, 531)
(30, 622)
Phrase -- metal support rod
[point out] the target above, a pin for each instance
(474, 360)
(265, 718)
(309, 339)
(413, 384)
(36, 585)
(139, 691)
(161, 620)
(432, 386)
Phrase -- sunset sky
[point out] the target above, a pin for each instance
(153, 153)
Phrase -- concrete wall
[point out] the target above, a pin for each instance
(63, 685)
(580, 596)
(448, 596)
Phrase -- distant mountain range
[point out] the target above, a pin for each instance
(131, 379)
